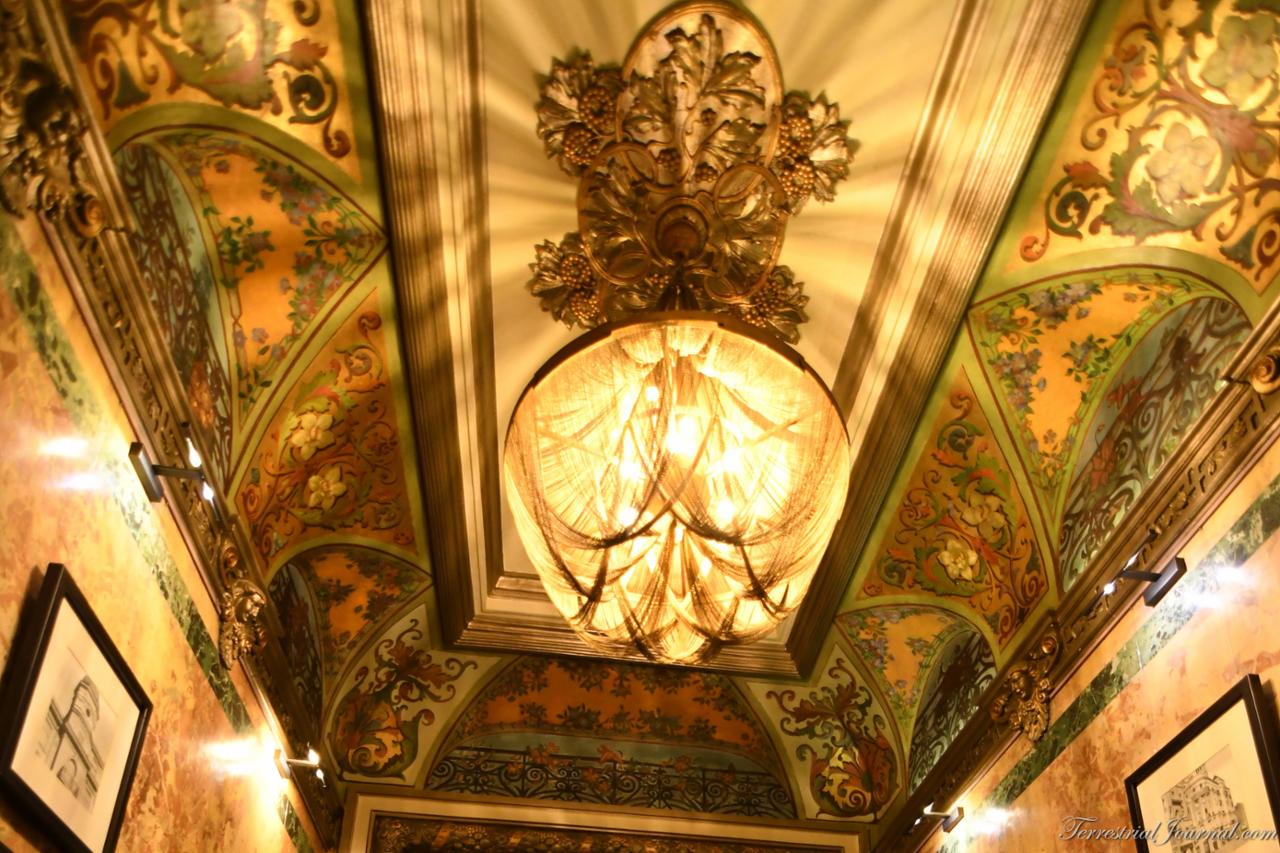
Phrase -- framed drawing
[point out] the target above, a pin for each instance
(1215, 786)
(72, 719)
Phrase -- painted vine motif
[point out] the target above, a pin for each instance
(353, 589)
(376, 725)
(898, 643)
(331, 460)
(593, 731)
(960, 530)
(1180, 136)
(178, 281)
(1149, 405)
(962, 670)
(284, 257)
(235, 52)
(853, 771)
(1048, 349)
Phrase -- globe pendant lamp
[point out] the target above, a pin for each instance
(676, 472)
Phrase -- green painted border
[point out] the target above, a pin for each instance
(50, 341)
(1241, 542)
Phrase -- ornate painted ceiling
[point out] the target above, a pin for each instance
(1010, 392)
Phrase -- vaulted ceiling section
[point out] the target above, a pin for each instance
(1011, 389)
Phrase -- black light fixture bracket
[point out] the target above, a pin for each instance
(149, 473)
(1158, 583)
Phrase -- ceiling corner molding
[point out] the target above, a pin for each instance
(1015, 60)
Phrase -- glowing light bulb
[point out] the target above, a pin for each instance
(193, 455)
(206, 491)
(313, 757)
(652, 393)
(627, 516)
(682, 438)
(1109, 587)
(724, 511)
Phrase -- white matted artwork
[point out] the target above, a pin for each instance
(1213, 787)
(73, 721)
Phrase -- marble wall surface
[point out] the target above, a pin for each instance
(1154, 673)
(205, 779)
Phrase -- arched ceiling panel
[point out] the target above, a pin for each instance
(1048, 350)
(1150, 402)
(290, 246)
(617, 734)
(900, 643)
(960, 529)
(331, 460)
(179, 279)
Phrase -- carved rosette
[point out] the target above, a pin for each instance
(690, 159)
(1023, 700)
(240, 630)
(1264, 376)
(42, 162)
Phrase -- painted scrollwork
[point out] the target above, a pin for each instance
(1023, 700)
(853, 771)
(376, 726)
(690, 160)
(42, 163)
(1196, 98)
(229, 50)
(240, 630)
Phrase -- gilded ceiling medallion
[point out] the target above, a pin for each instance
(690, 160)
(675, 475)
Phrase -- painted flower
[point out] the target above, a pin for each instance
(325, 487)
(985, 513)
(959, 561)
(311, 432)
(1180, 168)
(1244, 57)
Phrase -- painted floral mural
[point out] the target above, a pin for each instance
(961, 530)
(1177, 143)
(284, 259)
(350, 590)
(1153, 399)
(1048, 350)
(331, 459)
(843, 733)
(376, 727)
(900, 643)
(596, 731)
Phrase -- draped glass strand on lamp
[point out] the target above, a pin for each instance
(675, 484)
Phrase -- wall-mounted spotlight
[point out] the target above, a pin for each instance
(1159, 583)
(312, 762)
(149, 473)
(949, 819)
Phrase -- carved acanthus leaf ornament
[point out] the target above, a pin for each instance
(42, 162)
(690, 159)
(1023, 701)
(240, 629)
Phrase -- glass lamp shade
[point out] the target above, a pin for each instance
(675, 481)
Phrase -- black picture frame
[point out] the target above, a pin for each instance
(1265, 732)
(31, 653)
